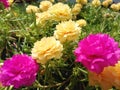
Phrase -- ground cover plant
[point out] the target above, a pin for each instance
(59, 45)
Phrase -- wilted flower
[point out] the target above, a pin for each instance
(115, 7)
(76, 9)
(5, 3)
(32, 9)
(47, 48)
(81, 22)
(107, 79)
(41, 18)
(44, 5)
(60, 12)
(97, 51)
(67, 31)
(96, 3)
(20, 70)
(82, 1)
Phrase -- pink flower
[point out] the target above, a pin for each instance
(20, 70)
(5, 3)
(97, 51)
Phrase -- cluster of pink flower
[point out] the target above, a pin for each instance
(5, 3)
(97, 51)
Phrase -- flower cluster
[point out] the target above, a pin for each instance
(20, 70)
(115, 7)
(97, 51)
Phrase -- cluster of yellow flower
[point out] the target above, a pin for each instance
(67, 29)
(51, 47)
(115, 7)
(108, 78)
(106, 3)
(48, 11)
(57, 12)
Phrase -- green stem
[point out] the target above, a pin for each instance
(50, 86)
(83, 71)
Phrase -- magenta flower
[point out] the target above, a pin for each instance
(97, 51)
(5, 3)
(20, 70)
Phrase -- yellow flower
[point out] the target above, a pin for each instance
(76, 9)
(67, 31)
(41, 18)
(96, 3)
(47, 48)
(32, 9)
(44, 5)
(60, 12)
(108, 78)
(81, 22)
(115, 7)
(82, 1)
(118, 5)
(10, 2)
(106, 3)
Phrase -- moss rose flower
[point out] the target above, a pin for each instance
(44, 5)
(76, 9)
(67, 31)
(47, 48)
(107, 79)
(115, 7)
(97, 51)
(42, 18)
(32, 9)
(20, 70)
(60, 12)
(96, 3)
(81, 22)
